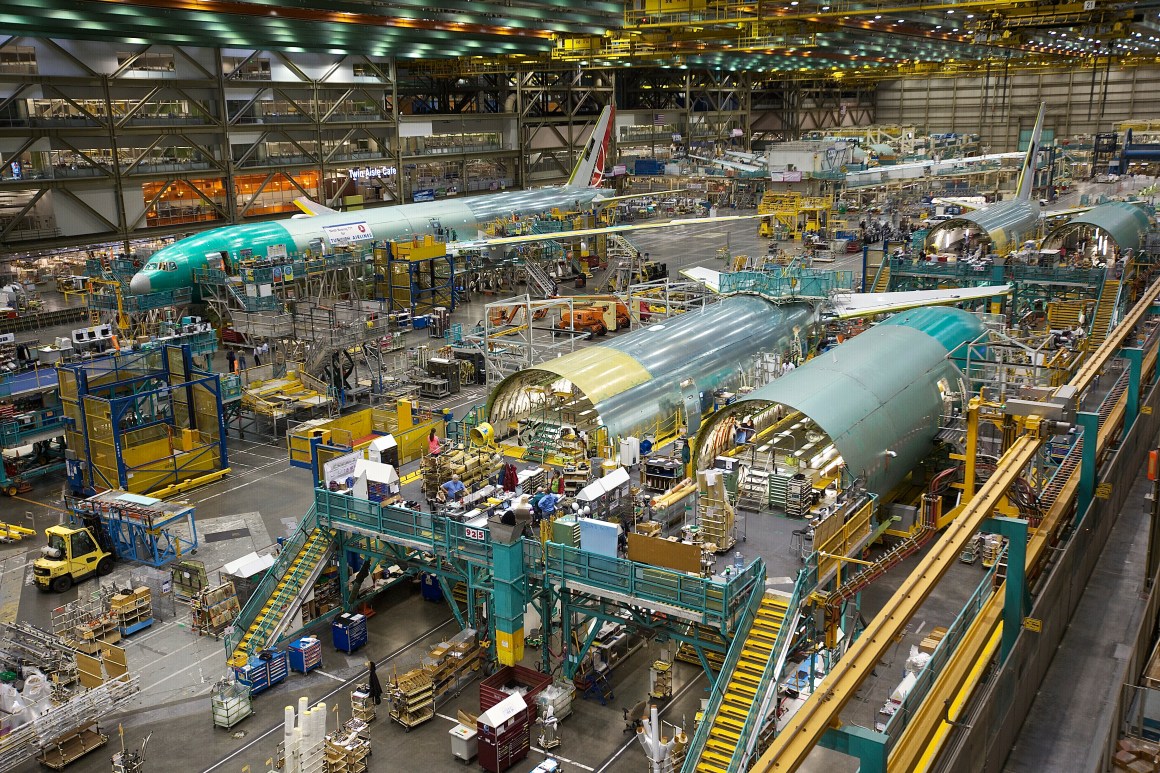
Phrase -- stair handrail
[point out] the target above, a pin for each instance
(265, 588)
(771, 675)
(1119, 303)
(732, 658)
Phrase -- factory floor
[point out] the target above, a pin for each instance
(264, 497)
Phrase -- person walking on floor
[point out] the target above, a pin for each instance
(376, 686)
(231, 361)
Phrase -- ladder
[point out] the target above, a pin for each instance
(753, 490)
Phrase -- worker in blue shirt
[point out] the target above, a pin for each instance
(453, 489)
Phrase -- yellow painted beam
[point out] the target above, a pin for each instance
(791, 747)
(922, 740)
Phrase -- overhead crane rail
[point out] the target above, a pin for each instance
(791, 747)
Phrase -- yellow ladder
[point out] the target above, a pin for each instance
(288, 589)
(741, 693)
(1103, 314)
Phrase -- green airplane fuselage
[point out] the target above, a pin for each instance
(173, 267)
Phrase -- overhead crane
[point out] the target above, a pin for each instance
(925, 731)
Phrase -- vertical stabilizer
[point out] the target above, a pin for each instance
(589, 171)
(1027, 173)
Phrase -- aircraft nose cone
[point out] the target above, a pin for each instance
(140, 285)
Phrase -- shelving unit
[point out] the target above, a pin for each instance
(778, 490)
(214, 608)
(452, 664)
(362, 706)
(717, 523)
(412, 698)
(799, 496)
(71, 747)
(575, 478)
(133, 611)
(660, 677)
(347, 752)
(230, 703)
(327, 596)
(661, 474)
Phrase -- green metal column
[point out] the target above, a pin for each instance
(1016, 602)
(1090, 424)
(340, 542)
(868, 746)
(508, 600)
(1135, 358)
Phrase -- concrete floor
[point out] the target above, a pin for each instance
(265, 497)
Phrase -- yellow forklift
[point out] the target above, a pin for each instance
(73, 553)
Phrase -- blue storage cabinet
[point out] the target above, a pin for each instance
(279, 666)
(349, 632)
(305, 654)
(255, 675)
(262, 673)
(429, 585)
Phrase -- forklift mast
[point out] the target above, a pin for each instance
(92, 521)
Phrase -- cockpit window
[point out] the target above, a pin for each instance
(171, 266)
(152, 266)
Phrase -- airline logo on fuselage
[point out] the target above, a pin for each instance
(346, 233)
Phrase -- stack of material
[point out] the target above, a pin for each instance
(473, 466)
(303, 747)
(930, 642)
(346, 752)
(452, 663)
(214, 608)
(1136, 755)
(715, 513)
(133, 610)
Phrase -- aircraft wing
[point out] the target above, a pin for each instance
(312, 208)
(729, 164)
(629, 197)
(968, 203)
(530, 238)
(706, 276)
(854, 305)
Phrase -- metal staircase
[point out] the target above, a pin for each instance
(279, 595)
(622, 269)
(541, 442)
(1102, 318)
(753, 490)
(882, 278)
(538, 280)
(747, 688)
(1061, 314)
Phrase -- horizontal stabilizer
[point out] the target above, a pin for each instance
(711, 278)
